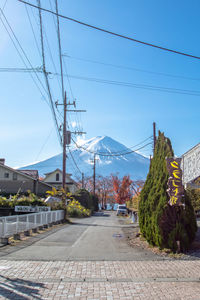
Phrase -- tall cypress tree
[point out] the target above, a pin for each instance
(161, 224)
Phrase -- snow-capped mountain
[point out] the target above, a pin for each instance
(132, 164)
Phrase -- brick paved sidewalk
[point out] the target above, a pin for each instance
(100, 280)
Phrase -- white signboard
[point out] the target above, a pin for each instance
(31, 208)
(191, 164)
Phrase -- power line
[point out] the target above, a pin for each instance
(60, 51)
(111, 155)
(131, 68)
(132, 147)
(72, 94)
(114, 33)
(138, 86)
(51, 56)
(46, 77)
(44, 144)
(20, 55)
(32, 29)
(22, 70)
(110, 82)
(3, 7)
(74, 161)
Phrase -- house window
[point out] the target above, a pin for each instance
(57, 176)
(14, 176)
(6, 175)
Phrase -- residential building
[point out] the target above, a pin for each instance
(55, 177)
(14, 181)
(191, 165)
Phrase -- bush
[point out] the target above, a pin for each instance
(194, 195)
(75, 209)
(86, 199)
(31, 199)
(6, 203)
(161, 224)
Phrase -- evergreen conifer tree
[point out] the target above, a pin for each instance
(161, 224)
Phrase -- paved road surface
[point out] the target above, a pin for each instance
(97, 238)
(89, 261)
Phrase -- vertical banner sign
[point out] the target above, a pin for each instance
(175, 186)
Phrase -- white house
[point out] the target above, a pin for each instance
(54, 178)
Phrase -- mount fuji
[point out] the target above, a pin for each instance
(111, 158)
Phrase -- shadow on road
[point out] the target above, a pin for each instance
(101, 214)
(19, 288)
(99, 225)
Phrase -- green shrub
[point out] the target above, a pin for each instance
(31, 199)
(86, 199)
(6, 202)
(75, 209)
(194, 195)
(56, 205)
(161, 224)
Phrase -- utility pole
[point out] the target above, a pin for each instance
(94, 175)
(64, 143)
(66, 140)
(83, 185)
(154, 136)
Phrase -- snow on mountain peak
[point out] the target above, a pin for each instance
(107, 163)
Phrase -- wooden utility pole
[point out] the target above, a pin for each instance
(154, 136)
(83, 185)
(94, 175)
(64, 143)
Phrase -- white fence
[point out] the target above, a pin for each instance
(19, 223)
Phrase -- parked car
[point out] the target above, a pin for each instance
(122, 210)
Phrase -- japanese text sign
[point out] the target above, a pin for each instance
(175, 186)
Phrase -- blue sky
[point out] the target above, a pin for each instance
(123, 113)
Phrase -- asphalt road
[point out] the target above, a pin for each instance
(97, 238)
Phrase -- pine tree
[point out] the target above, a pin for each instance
(161, 224)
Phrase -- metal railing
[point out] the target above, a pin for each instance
(19, 223)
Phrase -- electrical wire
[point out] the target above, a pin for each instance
(138, 86)
(22, 70)
(131, 68)
(60, 51)
(74, 161)
(32, 29)
(46, 78)
(78, 127)
(3, 7)
(51, 56)
(111, 155)
(114, 33)
(132, 147)
(44, 144)
(110, 82)
(20, 46)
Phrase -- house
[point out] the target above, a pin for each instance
(14, 181)
(54, 178)
(191, 165)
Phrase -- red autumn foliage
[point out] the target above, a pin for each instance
(122, 189)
